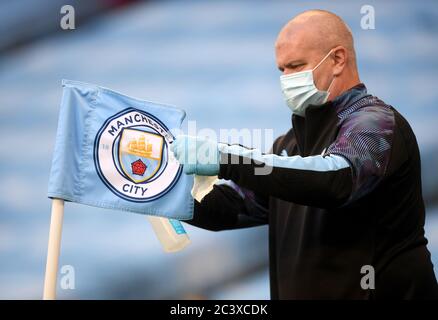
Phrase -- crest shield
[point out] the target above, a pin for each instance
(140, 154)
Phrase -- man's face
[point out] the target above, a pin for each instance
(296, 50)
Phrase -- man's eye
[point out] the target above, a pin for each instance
(292, 66)
(297, 66)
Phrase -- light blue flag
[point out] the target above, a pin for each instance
(112, 151)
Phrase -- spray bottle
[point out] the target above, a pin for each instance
(170, 233)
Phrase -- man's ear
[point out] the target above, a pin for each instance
(340, 56)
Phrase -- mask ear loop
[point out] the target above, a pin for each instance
(322, 60)
(333, 80)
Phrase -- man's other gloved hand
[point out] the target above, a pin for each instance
(198, 155)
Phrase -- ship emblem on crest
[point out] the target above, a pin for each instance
(140, 154)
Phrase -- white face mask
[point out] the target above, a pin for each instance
(300, 91)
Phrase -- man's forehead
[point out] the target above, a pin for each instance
(313, 33)
(295, 43)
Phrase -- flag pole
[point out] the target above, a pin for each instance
(53, 249)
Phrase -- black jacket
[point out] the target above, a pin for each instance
(342, 191)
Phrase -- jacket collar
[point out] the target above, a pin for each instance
(340, 103)
(320, 118)
(349, 97)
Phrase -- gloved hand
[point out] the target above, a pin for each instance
(198, 155)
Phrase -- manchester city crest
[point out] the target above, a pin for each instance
(132, 157)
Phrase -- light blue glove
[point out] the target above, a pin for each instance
(198, 155)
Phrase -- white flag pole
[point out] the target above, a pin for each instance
(53, 249)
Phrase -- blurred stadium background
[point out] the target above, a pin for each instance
(216, 60)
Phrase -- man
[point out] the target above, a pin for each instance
(343, 186)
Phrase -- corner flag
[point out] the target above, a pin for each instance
(112, 151)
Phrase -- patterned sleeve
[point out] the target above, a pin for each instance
(364, 140)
